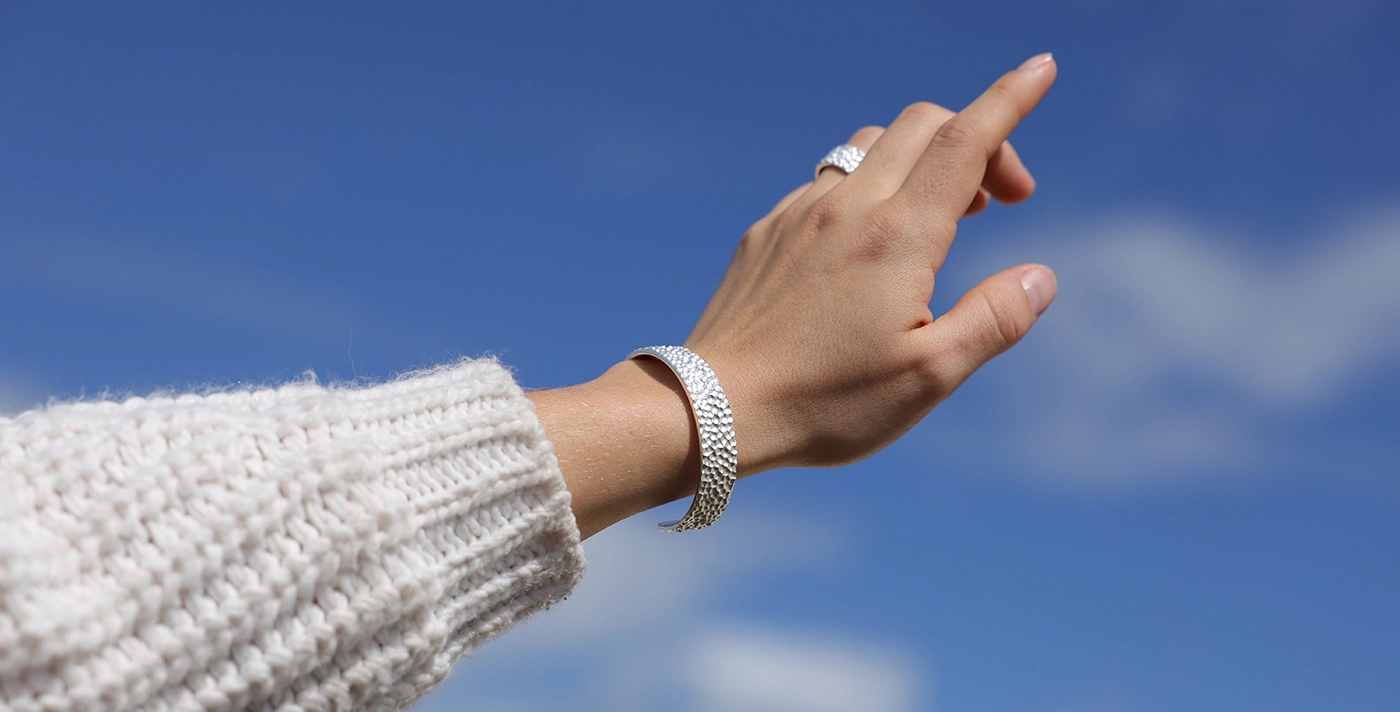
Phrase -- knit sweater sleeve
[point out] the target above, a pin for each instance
(297, 548)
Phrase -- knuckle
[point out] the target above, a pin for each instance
(824, 212)
(884, 228)
(1002, 89)
(792, 219)
(938, 375)
(955, 134)
(892, 223)
(1005, 312)
(748, 241)
(866, 135)
(893, 220)
(925, 112)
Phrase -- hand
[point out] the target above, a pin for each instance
(821, 332)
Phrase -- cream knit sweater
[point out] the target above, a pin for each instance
(298, 548)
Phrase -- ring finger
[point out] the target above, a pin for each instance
(830, 176)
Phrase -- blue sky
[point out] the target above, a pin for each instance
(1179, 492)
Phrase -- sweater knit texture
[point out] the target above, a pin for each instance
(296, 548)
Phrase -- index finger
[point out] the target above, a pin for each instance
(944, 181)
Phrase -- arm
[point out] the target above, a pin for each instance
(821, 332)
(302, 547)
(328, 549)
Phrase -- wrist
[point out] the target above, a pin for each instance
(626, 441)
(762, 442)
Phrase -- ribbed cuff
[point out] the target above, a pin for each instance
(299, 547)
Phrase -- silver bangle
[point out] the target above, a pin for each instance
(719, 453)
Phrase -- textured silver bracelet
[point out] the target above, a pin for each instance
(719, 453)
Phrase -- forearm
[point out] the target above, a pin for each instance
(626, 442)
(343, 546)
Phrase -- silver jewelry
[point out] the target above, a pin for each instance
(719, 454)
(844, 157)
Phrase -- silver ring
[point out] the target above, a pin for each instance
(844, 157)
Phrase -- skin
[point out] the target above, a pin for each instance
(820, 332)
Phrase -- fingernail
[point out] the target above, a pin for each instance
(1036, 61)
(1039, 283)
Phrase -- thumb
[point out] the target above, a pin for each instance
(988, 320)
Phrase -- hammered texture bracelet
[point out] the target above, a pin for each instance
(719, 453)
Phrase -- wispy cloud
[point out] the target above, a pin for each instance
(751, 670)
(646, 630)
(639, 580)
(113, 272)
(1178, 349)
(1145, 299)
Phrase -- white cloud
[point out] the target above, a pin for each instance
(1145, 299)
(646, 629)
(640, 579)
(1178, 350)
(746, 670)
